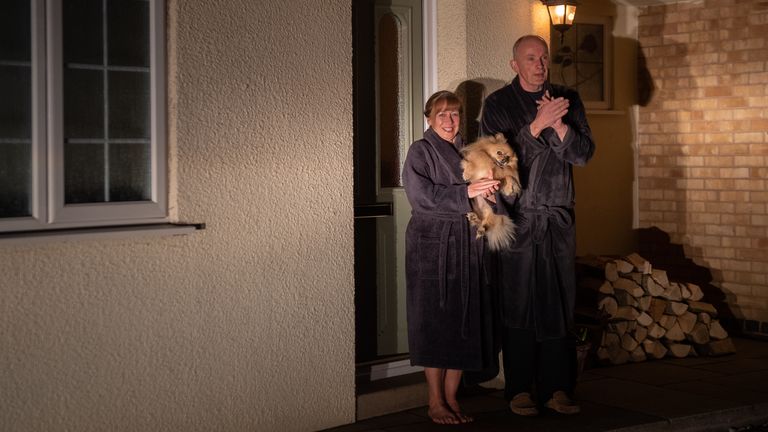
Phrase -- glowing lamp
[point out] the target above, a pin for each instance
(561, 14)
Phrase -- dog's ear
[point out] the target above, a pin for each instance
(500, 136)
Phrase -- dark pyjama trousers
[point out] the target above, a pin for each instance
(529, 364)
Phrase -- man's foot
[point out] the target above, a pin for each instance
(561, 403)
(441, 414)
(523, 405)
(463, 418)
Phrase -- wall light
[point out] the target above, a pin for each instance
(561, 14)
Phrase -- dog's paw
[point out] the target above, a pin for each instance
(511, 186)
(473, 219)
(480, 231)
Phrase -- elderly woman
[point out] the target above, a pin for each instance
(443, 260)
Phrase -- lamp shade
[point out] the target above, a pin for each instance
(561, 13)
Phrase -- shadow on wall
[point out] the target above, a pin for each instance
(645, 84)
(472, 93)
(657, 248)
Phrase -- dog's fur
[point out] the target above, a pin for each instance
(491, 154)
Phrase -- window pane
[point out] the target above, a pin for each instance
(83, 173)
(390, 100)
(129, 172)
(83, 40)
(15, 34)
(15, 102)
(129, 105)
(83, 104)
(15, 179)
(128, 30)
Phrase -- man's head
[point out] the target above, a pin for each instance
(530, 59)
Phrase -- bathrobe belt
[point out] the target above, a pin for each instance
(448, 222)
(543, 215)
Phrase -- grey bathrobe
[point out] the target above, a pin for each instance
(536, 278)
(443, 260)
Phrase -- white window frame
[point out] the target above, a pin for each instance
(47, 200)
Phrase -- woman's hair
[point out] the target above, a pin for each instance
(442, 97)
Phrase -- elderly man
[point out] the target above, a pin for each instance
(547, 127)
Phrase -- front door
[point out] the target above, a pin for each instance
(388, 99)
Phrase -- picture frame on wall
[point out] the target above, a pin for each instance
(583, 61)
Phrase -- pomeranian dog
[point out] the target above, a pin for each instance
(491, 154)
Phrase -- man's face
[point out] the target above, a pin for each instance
(531, 62)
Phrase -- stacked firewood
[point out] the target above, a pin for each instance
(649, 316)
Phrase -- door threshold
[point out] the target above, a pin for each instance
(385, 368)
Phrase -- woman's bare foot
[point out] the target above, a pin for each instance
(463, 418)
(441, 414)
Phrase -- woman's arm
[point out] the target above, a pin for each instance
(424, 192)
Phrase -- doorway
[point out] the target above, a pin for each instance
(388, 99)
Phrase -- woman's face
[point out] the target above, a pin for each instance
(444, 119)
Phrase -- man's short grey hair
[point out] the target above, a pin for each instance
(525, 38)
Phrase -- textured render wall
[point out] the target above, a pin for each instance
(451, 43)
(475, 38)
(493, 26)
(703, 141)
(246, 326)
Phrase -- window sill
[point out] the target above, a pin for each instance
(606, 112)
(97, 233)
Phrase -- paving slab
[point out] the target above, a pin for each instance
(647, 399)
(654, 373)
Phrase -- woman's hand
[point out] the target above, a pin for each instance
(484, 187)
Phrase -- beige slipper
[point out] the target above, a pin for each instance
(523, 405)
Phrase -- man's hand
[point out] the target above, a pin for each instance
(550, 114)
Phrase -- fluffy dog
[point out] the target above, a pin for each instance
(491, 154)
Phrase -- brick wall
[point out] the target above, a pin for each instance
(703, 140)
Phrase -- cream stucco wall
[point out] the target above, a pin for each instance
(475, 38)
(247, 325)
(493, 26)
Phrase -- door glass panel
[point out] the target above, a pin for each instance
(390, 99)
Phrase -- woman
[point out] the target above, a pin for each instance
(443, 260)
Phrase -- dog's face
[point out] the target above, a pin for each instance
(497, 149)
(500, 156)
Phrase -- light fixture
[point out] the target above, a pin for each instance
(561, 14)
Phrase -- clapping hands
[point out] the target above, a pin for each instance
(550, 114)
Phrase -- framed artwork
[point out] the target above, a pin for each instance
(582, 60)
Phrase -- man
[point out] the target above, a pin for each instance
(547, 127)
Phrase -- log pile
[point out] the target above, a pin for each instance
(647, 316)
